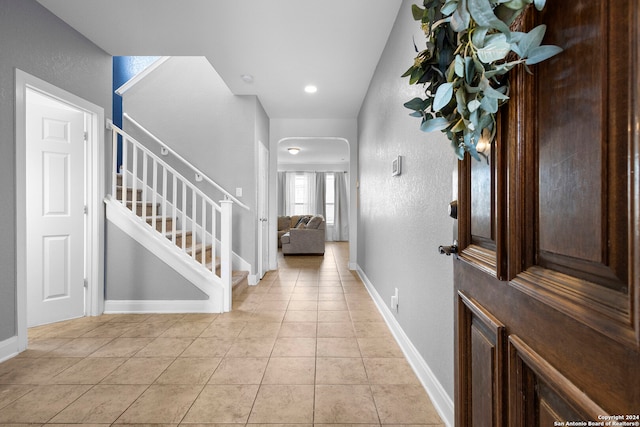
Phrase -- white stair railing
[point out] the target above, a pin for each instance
(170, 204)
(194, 169)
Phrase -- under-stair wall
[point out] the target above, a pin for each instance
(141, 275)
(186, 104)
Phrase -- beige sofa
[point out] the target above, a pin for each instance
(301, 234)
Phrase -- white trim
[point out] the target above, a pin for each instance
(252, 279)
(441, 400)
(157, 306)
(9, 348)
(95, 190)
(166, 251)
(141, 75)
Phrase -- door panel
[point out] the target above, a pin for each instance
(480, 349)
(55, 210)
(560, 269)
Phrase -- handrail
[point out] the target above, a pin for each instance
(174, 193)
(144, 149)
(186, 162)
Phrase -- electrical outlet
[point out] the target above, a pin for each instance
(394, 301)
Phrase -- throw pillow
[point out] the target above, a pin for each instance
(302, 222)
(315, 222)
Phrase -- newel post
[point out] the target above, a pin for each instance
(225, 252)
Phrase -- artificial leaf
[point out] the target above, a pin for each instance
(459, 66)
(408, 72)
(461, 101)
(531, 40)
(461, 18)
(517, 4)
(416, 104)
(459, 127)
(415, 75)
(478, 37)
(495, 49)
(482, 12)
(458, 149)
(417, 114)
(539, 4)
(443, 96)
(449, 7)
(506, 14)
(473, 105)
(490, 91)
(542, 53)
(437, 123)
(417, 12)
(469, 68)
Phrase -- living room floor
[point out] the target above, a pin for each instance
(306, 346)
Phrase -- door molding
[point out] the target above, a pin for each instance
(94, 238)
(262, 198)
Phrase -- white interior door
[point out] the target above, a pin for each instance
(55, 184)
(263, 210)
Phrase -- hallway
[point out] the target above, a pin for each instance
(306, 346)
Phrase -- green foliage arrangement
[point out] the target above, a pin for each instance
(465, 64)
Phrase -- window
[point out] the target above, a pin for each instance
(329, 197)
(301, 204)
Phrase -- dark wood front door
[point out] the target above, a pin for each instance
(547, 278)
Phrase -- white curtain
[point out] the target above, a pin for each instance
(282, 193)
(290, 193)
(341, 208)
(299, 193)
(320, 195)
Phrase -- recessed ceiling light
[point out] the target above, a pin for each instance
(293, 150)
(247, 78)
(310, 89)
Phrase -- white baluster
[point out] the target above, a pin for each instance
(225, 252)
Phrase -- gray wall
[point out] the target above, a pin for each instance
(186, 104)
(402, 220)
(137, 274)
(35, 41)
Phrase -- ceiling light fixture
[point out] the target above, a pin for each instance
(293, 150)
(247, 78)
(310, 89)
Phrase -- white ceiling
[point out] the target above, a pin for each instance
(284, 44)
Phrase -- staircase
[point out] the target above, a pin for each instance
(176, 221)
(238, 278)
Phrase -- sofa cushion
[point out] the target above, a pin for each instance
(284, 222)
(286, 238)
(315, 222)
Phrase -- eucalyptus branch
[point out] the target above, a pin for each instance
(461, 66)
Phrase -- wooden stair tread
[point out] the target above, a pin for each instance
(197, 247)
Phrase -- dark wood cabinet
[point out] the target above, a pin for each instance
(548, 274)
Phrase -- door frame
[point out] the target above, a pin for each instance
(263, 198)
(94, 164)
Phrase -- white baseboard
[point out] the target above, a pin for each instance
(9, 348)
(159, 306)
(441, 400)
(252, 279)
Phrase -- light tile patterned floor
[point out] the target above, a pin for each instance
(306, 346)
